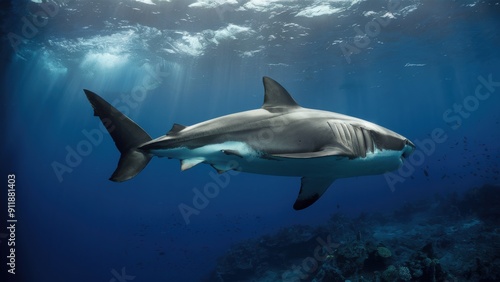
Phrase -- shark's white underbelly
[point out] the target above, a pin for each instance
(239, 155)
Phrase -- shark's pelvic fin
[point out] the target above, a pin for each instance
(127, 136)
(189, 163)
(311, 190)
(276, 97)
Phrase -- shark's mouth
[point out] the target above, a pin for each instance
(408, 149)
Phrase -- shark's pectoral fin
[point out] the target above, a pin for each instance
(189, 163)
(311, 190)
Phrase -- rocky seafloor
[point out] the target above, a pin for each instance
(452, 238)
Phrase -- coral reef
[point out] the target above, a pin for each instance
(454, 238)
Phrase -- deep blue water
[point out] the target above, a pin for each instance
(186, 62)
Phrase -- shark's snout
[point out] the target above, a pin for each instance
(408, 149)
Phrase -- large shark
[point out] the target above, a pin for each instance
(280, 138)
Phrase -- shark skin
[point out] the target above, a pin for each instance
(280, 138)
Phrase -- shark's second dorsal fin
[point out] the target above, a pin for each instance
(176, 128)
(276, 96)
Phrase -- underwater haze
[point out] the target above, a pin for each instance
(428, 70)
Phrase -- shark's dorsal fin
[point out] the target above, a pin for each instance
(276, 96)
(176, 128)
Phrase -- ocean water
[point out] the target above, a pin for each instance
(428, 70)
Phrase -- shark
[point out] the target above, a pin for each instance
(280, 138)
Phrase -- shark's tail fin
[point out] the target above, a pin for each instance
(128, 136)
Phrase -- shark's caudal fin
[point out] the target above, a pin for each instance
(127, 136)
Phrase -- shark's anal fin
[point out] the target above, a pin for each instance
(189, 163)
(176, 128)
(311, 190)
(219, 169)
